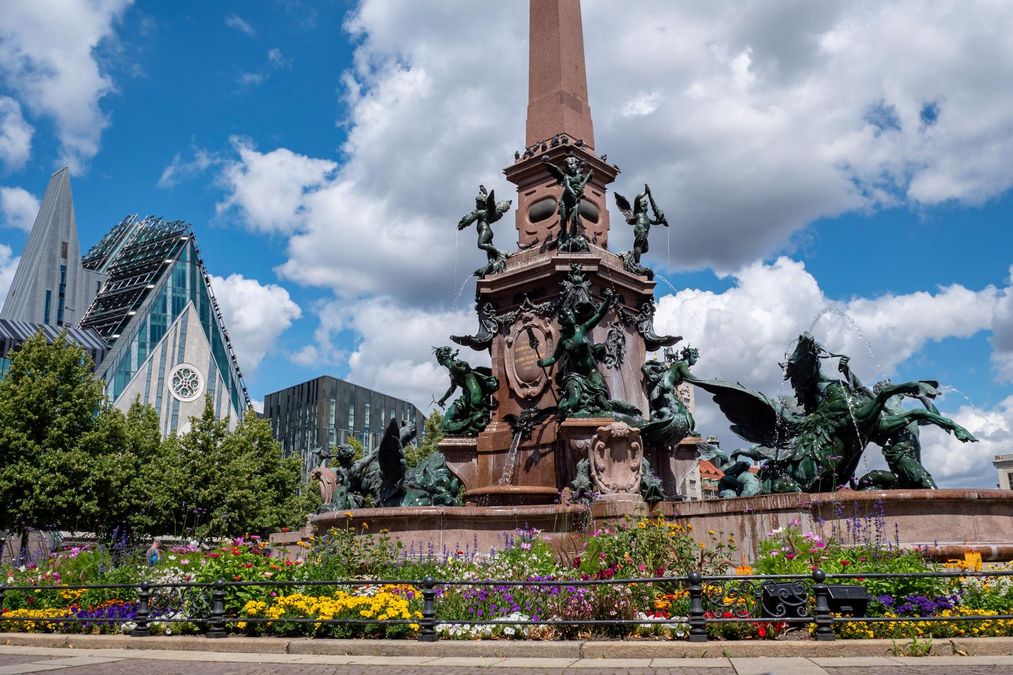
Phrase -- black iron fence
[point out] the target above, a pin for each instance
(818, 602)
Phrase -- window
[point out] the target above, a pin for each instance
(49, 302)
(63, 250)
(351, 415)
(365, 417)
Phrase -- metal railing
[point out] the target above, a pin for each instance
(789, 600)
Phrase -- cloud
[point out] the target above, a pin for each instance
(269, 190)
(749, 120)
(180, 169)
(15, 134)
(393, 351)
(276, 60)
(19, 208)
(255, 315)
(47, 57)
(8, 266)
(237, 22)
(956, 464)
(1002, 335)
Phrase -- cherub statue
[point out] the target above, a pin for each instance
(471, 412)
(571, 236)
(487, 211)
(639, 217)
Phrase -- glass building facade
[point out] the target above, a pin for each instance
(154, 271)
(326, 411)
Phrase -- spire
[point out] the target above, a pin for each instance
(49, 279)
(558, 126)
(557, 79)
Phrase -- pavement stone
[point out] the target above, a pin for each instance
(476, 661)
(690, 662)
(534, 662)
(781, 666)
(611, 663)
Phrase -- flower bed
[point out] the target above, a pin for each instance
(523, 590)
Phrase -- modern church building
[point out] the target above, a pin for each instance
(142, 293)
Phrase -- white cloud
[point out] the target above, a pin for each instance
(47, 58)
(956, 464)
(237, 22)
(750, 120)
(275, 61)
(19, 207)
(255, 315)
(269, 190)
(180, 169)
(8, 266)
(393, 353)
(15, 134)
(1002, 335)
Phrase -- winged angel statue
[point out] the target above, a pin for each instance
(817, 446)
(487, 211)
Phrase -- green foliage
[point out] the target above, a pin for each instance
(349, 554)
(653, 547)
(56, 442)
(221, 483)
(357, 450)
(432, 434)
(790, 550)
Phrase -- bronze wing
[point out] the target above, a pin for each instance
(754, 417)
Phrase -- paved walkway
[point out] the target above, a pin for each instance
(15, 660)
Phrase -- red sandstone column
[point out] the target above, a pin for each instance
(557, 78)
(558, 124)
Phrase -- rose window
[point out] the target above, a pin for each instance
(185, 383)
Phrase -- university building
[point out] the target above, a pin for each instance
(326, 411)
(139, 301)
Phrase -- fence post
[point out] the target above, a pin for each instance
(218, 610)
(821, 612)
(143, 611)
(697, 620)
(428, 631)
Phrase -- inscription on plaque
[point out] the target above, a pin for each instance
(530, 339)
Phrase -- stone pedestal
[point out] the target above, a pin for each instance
(674, 464)
(533, 470)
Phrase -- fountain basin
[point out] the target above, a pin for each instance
(946, 522)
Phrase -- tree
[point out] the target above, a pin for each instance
(58, 442)
(432, 434)
(228, 483)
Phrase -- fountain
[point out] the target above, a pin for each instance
(571, 422)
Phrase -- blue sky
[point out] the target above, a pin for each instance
(814, 158)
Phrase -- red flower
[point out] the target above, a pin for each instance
(238, 578)
(214, 555)
(761, 631)
(845, 563)
(247, 565)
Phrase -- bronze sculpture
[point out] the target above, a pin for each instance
(571, 235)
(638, 216)
(818, 448)
(671, 421)
(487, 211)
(470, 413)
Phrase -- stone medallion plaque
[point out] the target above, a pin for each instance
(531, 338)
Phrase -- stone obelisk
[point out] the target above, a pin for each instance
(558, 124)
